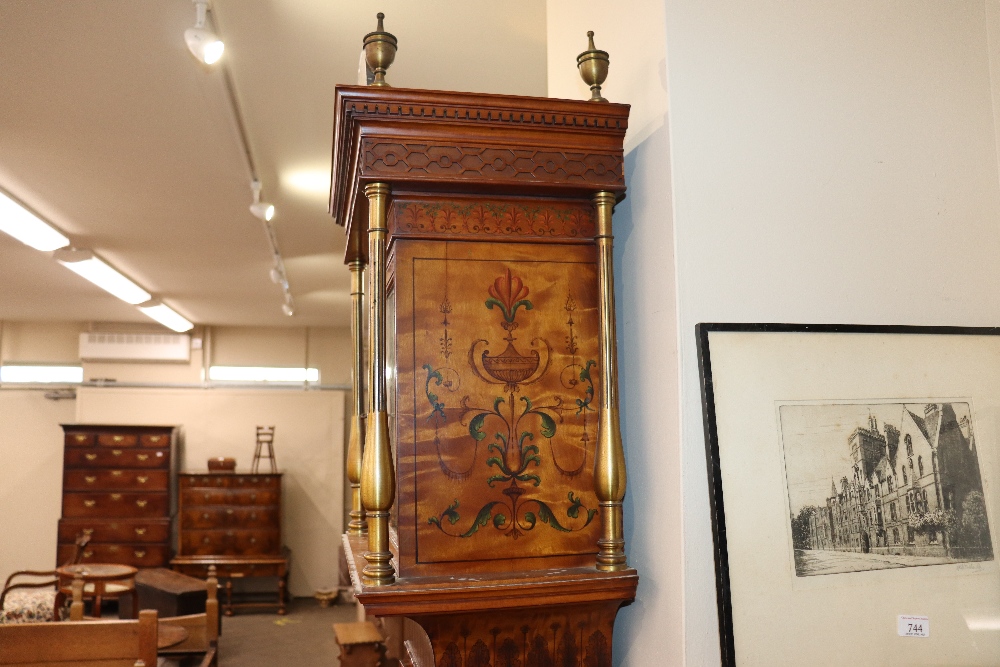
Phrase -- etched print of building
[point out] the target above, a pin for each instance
(911, 490)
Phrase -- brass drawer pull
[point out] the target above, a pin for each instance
(116, 496)
(253, 540)
(141, 503)
(90, 479)
(116, 452)
(118, 438)
(253, 497)
(139, 553)
(80, 437)
(142, 479)
(89, 503)
(90, 457)
(155, 438)
(229, 512)
(140, 531)
(205, 540)
(88, 531)
(206, 515)
(116, 473)
(88, 554)
(142, 457)
(253, 516)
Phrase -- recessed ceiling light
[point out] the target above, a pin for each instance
(27, 227)
(203, 44)
(166, 316)
(94, 269)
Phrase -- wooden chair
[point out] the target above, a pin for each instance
(29, 603)
(84, 644)
(203, 630)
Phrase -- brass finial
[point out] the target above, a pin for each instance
(593, 64)
(380, 51)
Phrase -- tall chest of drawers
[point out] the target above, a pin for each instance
(116, 488)
(231, 521)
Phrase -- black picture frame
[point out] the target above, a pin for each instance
(717, 500)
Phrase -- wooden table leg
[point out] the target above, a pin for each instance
(281, 593)
(229, 597)
(135, 602)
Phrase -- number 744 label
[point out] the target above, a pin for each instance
(913, 626)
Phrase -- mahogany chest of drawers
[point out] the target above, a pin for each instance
(232, 521)
(116, 488)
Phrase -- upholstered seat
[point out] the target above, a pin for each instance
(29, 606)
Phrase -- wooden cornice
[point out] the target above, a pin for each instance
(469, 143)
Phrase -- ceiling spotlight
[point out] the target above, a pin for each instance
(204, 44)
(260, 209)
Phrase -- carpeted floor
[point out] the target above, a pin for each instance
(302, 638)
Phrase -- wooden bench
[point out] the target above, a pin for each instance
(81, 644)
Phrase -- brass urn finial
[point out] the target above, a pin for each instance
(380, 51)
(593, 64)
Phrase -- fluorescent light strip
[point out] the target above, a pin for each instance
(167, 316)
(108, 279)
(262, 374)
(39, 374)
(28, 228)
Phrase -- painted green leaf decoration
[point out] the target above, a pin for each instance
(490, 302)
(548, 425)
(528, 478)
(529, 518)
(482, 519)
(499, 520)
(546, 515)
(590, 517)
(451, 513)
(499, 478)
(476, 426)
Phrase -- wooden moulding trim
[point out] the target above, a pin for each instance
(471, 593)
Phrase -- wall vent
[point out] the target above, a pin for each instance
(135, 347)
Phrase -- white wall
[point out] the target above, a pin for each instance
(829, 162)
(31, 459)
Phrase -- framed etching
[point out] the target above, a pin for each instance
(854, 474)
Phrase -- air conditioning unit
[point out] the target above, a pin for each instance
(135, 347)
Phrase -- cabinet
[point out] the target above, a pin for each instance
(116, 488)
(232, 521)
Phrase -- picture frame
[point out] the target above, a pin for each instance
(853, 474)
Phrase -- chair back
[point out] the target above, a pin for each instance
(83, 644)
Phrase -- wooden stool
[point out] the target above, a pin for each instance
(361, 644)
(265, 440)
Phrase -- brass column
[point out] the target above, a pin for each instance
(609, 464)
(357, 525)
(378, 483)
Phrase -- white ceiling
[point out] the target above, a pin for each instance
(110, 130)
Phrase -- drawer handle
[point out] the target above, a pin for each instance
(88, 531)
(90, 479)
(207, 496)
(229, 533)
(116, 473)
(90, 457)
(118, 438)
(140, 531)
(89, 503)
(229, 512)
(253, 480)
(116, 452)
(139, 553)
(80, 437)
(88, 554)
(116, 496)
(142, 457)
(154, 438)
(253, 540)
(141, 503)
(253, 497)
(205, 540)
(253, 516)
(142, 479)
(205, 516)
